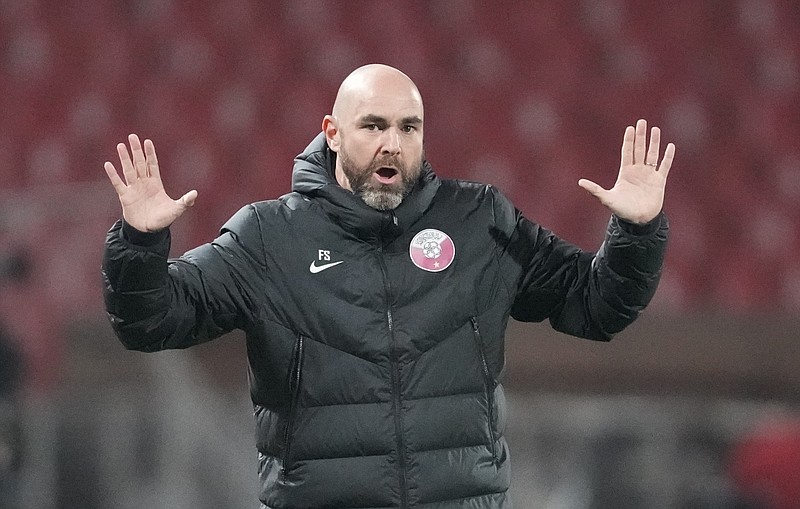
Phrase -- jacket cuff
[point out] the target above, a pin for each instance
(641, 229)
(143, 239)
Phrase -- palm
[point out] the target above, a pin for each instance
(145, 204)
(638, 194)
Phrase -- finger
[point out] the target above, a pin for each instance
(666, 163)
(593, 188)
(152, 160)
(139, 163)
(187, 200)
(113, 176)
(640, 141)
(627, 146)
(655, 147)
(127, 165)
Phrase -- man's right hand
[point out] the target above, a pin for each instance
(145, 204)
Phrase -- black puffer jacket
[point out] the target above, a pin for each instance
(375, 378)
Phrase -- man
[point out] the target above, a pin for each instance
(374, 299)
(11, 375)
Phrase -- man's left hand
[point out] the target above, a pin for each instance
(638, 194)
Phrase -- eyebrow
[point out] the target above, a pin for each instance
(377, 119)
(415, 120)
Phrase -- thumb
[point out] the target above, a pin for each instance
(592, 188)
(187, 200)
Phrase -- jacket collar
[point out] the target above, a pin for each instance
(313, 176)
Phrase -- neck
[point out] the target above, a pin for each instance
(341, 178)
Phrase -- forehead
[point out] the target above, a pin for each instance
(387, 98)
(387, 106)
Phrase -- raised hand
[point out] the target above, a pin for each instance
(638, 194)
(145, 204)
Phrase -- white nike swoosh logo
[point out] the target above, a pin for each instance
(319, 268)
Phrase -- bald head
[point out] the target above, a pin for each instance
(375, 82)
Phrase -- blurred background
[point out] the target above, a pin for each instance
(694, 406)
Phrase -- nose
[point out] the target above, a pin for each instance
(391, 142)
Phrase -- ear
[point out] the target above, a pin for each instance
(331, 131)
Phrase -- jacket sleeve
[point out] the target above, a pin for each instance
(589, 295)
(155, 303)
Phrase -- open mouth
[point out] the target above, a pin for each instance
(386, 175)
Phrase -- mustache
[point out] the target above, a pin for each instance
(388, 161)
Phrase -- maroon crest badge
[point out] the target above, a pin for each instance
(432, 250)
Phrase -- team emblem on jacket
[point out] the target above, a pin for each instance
(432, 250)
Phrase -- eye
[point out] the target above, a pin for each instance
(409, 128)
(371, 127)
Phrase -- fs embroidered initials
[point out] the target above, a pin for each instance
(324, 256)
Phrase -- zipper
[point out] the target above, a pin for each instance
(489, 383)
(295, 377)
(397, 398)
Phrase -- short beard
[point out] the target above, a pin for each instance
(380, 196)
(382, 199)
